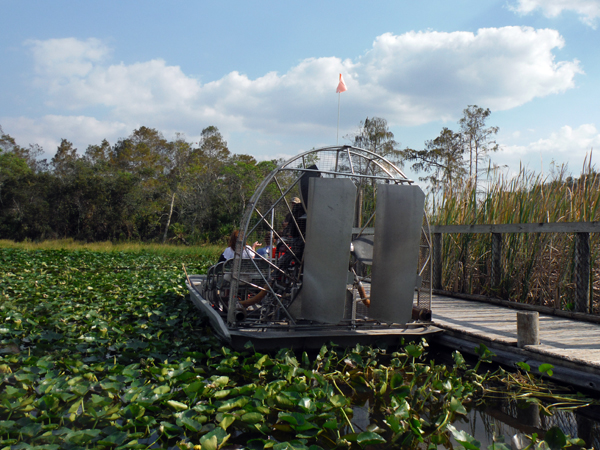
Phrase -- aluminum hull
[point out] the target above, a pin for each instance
(304, 336)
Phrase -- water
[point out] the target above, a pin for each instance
(509, 422)
(505, 419)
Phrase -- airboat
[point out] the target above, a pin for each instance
(348, 258)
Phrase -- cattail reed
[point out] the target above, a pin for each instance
(537, 267)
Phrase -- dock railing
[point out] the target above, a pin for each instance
(578, 276)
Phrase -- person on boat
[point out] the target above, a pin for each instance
(288, 221)
(286, 228)
(297, 229)
(269, 249)
(248, 252)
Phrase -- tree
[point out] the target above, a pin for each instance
(200, 198)
(143, 153)
(98, 154)
(213, 151)
(476, 137)
(453, 155)
(442, 158)
(12, 170)
(177, 173)
(62, 161)
(374, 135)
(29, 154)
(135, 189)
(12, 166)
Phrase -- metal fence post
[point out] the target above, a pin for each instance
(437, 260)
(496, 262)
(582, 272)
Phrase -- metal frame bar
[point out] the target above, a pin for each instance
(341, 174)
(279, 237)
(350, 160)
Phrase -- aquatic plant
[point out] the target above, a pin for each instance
(103, 350)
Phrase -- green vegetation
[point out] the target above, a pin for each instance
(210, 251)
(537, 268)
(103, 350)
(142, 188)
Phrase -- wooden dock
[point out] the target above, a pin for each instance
(571, 346)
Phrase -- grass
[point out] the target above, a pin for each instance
(153, 248)
(538, 268)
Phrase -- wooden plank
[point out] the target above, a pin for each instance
(566, 371)
(556, 227)
(496, 262)
(582, 272)
(522, 306)
(569, 340)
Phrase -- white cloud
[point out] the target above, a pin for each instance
(409, 79)
(47, 131)
(588, 10)
(568, 142)
(67, 58)
(432, 75)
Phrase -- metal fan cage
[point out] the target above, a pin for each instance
(272, 203)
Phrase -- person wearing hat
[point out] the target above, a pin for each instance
(288, 218)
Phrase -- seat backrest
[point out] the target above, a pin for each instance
(255, 270)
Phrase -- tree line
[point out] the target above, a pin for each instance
(145, 187)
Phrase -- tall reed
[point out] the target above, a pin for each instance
(537, 268)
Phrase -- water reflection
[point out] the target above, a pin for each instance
(503, 420)
(361, 417)
(507, 418)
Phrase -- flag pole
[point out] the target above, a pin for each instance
(340, 88)
(337, 136)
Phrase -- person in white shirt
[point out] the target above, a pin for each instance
(247, 253)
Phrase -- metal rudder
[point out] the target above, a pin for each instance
(399, 217)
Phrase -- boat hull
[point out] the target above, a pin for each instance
(304, 336)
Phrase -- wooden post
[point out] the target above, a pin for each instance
(437, 260)
(464, 258)
(582, 272)
(496, 260)
(527, 328)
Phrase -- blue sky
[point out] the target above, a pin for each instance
(265, 72)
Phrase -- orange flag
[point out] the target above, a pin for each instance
(341, 86)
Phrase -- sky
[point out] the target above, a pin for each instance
(265, 72)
